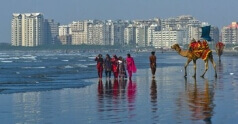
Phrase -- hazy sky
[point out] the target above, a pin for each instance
(216, 12)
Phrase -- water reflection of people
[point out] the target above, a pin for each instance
(153, 95)
(131, 94)
(200, 101)
(100, 95)
(108, 87)
(220, 78)
(115, 93)
(100, 87)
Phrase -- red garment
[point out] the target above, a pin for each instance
(220, 45)
(99, 66)
(114, 61)
(131, 64)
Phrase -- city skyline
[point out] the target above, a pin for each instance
(217, 13)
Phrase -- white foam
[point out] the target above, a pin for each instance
(6, 61)
(41, 67)
(68, 66)
(82, 60)
(81, 65)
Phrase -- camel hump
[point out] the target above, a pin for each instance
(195, 45)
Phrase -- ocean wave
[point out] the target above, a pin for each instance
(7, 61)
(82, 60)
(40, 67)
(68, 66)
(65, 60)
(28, 57)
(91, 57)
(14, 58)
(90, 64)
(81, 65)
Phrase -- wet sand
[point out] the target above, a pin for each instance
(169, 98)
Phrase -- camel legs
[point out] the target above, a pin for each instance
(195, 68)
(206, 68)
(185, 66)
(214, 65)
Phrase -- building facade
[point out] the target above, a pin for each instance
(79, 32)
(27, 29)
(229, 34)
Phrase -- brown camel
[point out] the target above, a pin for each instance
(191, 56)
(219, 49)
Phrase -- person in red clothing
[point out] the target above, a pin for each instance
(99, 60)
(131, 67)
(114, 61)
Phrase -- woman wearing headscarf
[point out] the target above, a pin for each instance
(131, 67)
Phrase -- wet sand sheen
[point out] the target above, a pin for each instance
(170, 98)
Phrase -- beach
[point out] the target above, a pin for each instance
(74, 97)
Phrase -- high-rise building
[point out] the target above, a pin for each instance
(52, 31)
(130, 35)
(79, 32)
(229, 34)
(95, 33)
(109, 33)
(119, 27)
(65, 36)
(27, 29)
(141, 33)
(166, 38)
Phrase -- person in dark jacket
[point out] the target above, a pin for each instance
(108, 66)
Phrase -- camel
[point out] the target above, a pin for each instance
(190, 55)
(219, 49)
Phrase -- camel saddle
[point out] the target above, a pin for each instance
(199, 49)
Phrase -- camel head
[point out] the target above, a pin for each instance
(176, 47)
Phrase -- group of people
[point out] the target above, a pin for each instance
(115, 65)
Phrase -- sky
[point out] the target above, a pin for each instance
(216, 12)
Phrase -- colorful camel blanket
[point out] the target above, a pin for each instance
(200, 49)
(220, 45)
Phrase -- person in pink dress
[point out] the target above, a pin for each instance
(131, 67)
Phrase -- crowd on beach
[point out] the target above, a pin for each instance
(115, 65)
(120, 68)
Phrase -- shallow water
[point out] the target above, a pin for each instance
(62, 88)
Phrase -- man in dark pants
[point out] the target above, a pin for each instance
(153, 63)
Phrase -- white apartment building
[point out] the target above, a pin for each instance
(95, 34)
(150, 32)
(141, 33)
(65, 34)
(64, 30)
(79, 32)
(229, 34)
(130, 35)
(27, 29)
(166, 38)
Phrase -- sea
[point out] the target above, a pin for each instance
(62, 87)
